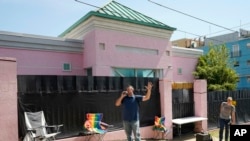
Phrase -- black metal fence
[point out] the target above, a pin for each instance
(242, 98)
(183, 106)
(182, 103)
(66, 100)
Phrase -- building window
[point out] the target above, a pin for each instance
(235, 51)
(179, 71)
(89, 72)
(130, 72)
(236, 63)
(102, 46)
(248, 79)
(168, 53)
(248, 62)
(66, 67)
(248, 45)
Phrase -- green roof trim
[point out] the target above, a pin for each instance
(119, 12)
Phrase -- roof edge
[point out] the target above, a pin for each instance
(88, 15)
(94, 13)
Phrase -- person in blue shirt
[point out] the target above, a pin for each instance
(130, 110)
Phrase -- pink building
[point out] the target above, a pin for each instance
(107, 43)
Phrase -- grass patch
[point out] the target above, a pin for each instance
(214, 133)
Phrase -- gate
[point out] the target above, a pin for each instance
(183, 103)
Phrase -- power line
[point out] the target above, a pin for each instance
(101, 8)
(205, 36)
(191, 16)
(230, 28)
(200, 36)
(87, 4)
(213, 32)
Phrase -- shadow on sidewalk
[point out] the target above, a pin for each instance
(190, 136)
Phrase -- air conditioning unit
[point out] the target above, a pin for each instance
(244, 33)
(193, 44)
(248, 44)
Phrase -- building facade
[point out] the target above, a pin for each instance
(118, 42)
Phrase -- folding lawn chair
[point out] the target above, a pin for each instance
(37, 128)
(160, 131)
(94, 127)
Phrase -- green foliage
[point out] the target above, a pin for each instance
(216, 69)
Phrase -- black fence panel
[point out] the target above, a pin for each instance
(182, 103)
(214, 99)
(66, 84)
(213, 108)
(66, 100)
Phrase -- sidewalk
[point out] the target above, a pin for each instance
(191, 137)
(188, 137)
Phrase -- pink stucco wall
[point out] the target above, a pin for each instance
(102, 60)
(200, 99)
(166, 104)
(187, 65)
(38, 62)
(8, 100)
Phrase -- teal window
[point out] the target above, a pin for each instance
(179, 71)
(126, 72)
(66, 67)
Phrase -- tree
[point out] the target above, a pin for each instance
(216, 68)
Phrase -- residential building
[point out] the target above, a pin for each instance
(188, 43)
(238, 44)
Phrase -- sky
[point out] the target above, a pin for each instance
(193, 18)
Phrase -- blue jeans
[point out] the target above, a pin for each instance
(133, 126)
(224, 123)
